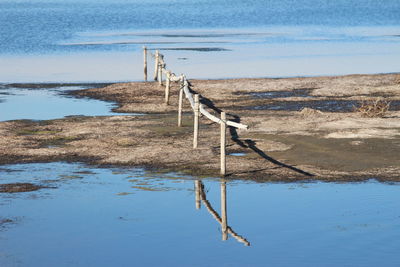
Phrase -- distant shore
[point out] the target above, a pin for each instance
(300, 129)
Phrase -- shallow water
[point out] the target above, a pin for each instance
(124, 217)
(47, 101)
(86, 40)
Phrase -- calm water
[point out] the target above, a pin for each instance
(45, 102)
(86, 40)
(113, 217)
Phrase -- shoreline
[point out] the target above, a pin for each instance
(281, 145)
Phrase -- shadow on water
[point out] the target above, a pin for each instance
(200, 197)
(248, 143)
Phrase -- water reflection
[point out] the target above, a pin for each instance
(201, 197)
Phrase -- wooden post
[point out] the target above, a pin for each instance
(167, 87)
(198, 195)
(180, 104)
(160, 67)
(196, 120)
(145, 62)
(223, 143)
(224, 217)
(156, 67)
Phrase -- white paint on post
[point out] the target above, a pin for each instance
(223, 143)
(196, 120)
(145, 63)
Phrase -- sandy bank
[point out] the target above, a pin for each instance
(282, 143)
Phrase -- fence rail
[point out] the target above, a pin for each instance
(197, 107)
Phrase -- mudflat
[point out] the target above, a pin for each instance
(299, 129)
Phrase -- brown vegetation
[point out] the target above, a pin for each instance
(374, 108)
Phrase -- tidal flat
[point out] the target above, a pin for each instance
(285, 144)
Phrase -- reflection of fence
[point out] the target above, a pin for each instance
(196, 105)
(223, 219)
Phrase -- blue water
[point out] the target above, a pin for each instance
(41, 102)
(86, 40)
(122, 217)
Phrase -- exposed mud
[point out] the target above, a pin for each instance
(19, 187)
(281, 145)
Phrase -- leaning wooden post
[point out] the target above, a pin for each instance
(196, 120)
(180, 103)
(224, 217)
(223, 143)
(156, 66)
(167, 87)
(145, 62)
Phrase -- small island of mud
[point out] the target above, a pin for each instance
(299, 129)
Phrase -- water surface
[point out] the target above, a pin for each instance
(48, 101)
(124, 217)
(86, 40)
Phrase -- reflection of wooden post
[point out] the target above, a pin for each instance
(145, 62)
(224, 217)
(197, 188)
(196, 120)
(180, 107)
(156, 67)
(167, 87)
(223, 143)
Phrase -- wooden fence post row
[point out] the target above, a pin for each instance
(197, 107)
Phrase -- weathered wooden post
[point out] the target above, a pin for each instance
(167, 87)
(196, 120)
(145, 62)
(223, 143)
(161, 65)
(180, 104)
(156, 66)
(224, 217)
(198, 196)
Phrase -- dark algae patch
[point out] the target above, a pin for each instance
(19, 187)
(327, 105)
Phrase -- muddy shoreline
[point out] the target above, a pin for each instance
(282, 144)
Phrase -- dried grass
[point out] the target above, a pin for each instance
(397, 79)
(309, 112)
(373, 108)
